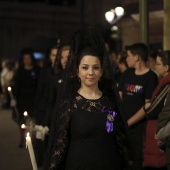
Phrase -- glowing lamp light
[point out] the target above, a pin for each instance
(109, 16)
(119, 11)
(114, 28)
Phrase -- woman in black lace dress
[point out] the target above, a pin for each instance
(90, 133)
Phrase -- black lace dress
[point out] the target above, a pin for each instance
(82, 141)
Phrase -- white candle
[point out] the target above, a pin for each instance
(10, 92)
(23, 126)
(12, 98)
(25, 113)
(31, 152)
(28, 128)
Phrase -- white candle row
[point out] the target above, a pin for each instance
(28, 138)
(31, 152)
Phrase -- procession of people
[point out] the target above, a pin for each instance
(89, 108)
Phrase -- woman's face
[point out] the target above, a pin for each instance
(161, 70)
(151, 63)
(27, 60)
(89, 71)
(53, 55)
(64, 58)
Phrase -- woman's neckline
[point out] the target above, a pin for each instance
(90, 99)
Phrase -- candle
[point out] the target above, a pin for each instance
(10, 92)
(31, 152)
(29, 128)
(25, 113)
(23, 126)
(12, 98)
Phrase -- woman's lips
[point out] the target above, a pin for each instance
(90, 79)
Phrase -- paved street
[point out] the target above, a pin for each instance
(11, 156)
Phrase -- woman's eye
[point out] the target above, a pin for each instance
(85, 68)
(96, 68)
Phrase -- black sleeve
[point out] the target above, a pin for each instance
(124, 150)
(61, 143)
(51, 101)
(40, 99)
(151, 85)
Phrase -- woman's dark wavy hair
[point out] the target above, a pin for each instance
(88, 41)
(47, 62)
(57, 63)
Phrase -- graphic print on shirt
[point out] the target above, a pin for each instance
(131, 89)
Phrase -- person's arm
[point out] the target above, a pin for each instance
(122, 141)
(163, 121)
(62, 139)
(120, 93)
(164, 132)
(139, 115)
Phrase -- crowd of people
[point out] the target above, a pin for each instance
(103, 110)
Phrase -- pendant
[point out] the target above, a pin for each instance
(110, 117)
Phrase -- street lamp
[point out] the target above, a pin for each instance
(109, 15)
(114, 15)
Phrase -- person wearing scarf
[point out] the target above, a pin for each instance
(151, 150)
(163, 127)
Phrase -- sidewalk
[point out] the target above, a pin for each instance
(11, 156)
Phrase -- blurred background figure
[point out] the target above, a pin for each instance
(55, 89)
(122, 65)
(152, 61)
(7, 75)
(25, 87)
(41, 110)
(154, 155)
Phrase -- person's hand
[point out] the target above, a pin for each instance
(13, 103)
(159, 143)
(41, 131)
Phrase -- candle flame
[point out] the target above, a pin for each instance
(28, 134)
(9, 88)
(25, 113)
(23, 126)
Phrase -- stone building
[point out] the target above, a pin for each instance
(37, 23)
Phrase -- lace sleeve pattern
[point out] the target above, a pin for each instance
(61, 143)
(123, 144)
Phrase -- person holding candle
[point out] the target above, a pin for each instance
(6, 76)
(54, 97)
(42, 96)
(90, 132)
(25, 87)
